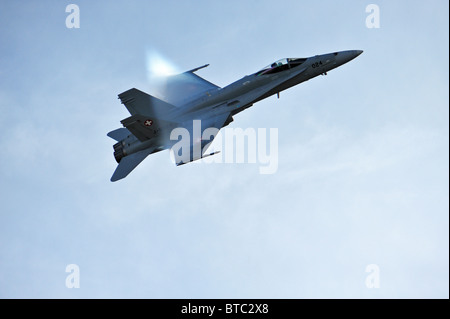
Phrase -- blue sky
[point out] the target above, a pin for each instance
(363, 154)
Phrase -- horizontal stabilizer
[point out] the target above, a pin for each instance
(119, 134)
(129, 163)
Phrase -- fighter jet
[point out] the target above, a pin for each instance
(188, 97)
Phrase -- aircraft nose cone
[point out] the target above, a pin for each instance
(346, 56)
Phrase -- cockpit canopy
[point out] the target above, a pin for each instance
(281, 65)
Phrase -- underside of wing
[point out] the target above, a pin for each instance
(146, 128)
(208, 129)
(150, 117)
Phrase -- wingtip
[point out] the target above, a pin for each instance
(196, 69)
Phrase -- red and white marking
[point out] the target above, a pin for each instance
(148, 123)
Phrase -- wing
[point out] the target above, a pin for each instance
(150, 116)
(201, 143)
(182, 88)
(138, 102)
(145, 128)
(216, 122)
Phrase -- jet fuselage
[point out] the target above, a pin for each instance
(152, 121)
(252, 88)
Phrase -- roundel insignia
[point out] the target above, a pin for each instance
(148, 123)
